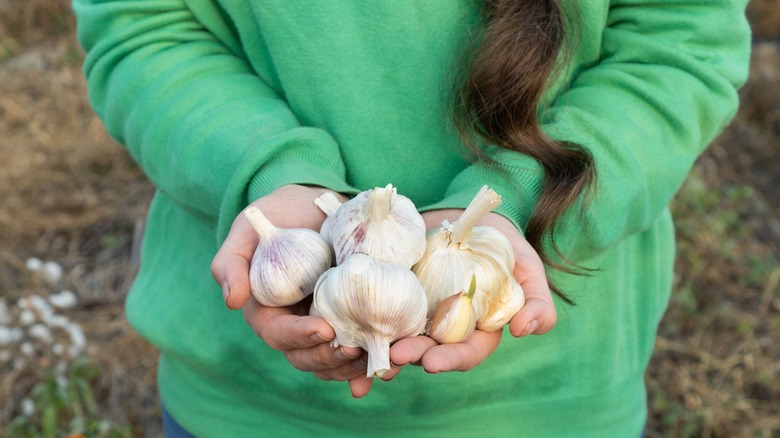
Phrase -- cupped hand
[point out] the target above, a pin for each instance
(538, 315)
(305, 340)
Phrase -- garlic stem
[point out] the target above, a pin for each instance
(482, 204)
(380, 202)
(378, 349)
(328, 203)
(262, 226)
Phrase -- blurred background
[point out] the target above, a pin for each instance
(71, 212)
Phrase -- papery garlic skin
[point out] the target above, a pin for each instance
(377, 222)
(371, 304)
(456, 251)
(286, 263)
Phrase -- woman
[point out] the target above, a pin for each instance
(585, 117)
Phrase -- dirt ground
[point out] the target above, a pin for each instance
(72, 197)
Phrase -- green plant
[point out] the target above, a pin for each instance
(63, 404)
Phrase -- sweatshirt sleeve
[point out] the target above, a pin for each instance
(665, 86)
(174, 87)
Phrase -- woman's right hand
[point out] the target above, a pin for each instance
(305, 340)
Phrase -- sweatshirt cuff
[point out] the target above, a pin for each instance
(307, 156)
(516, 177)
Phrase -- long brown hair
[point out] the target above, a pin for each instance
(515, 61)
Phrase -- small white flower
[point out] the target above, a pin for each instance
(64, 299)
(51, 271)
(16, 335)
(26, 317)
(62, 381)
(38, 302)
(28, 407)
(77, 338)
(27, 348)
(5, 335)
(45, 311)
(58, 349)
(41, 332)
(58, 321)
(34, 264)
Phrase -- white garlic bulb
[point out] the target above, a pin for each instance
(378, 222)
(456, 251)
(287, 262)
(371, 304)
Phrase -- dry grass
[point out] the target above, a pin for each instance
(73, 196)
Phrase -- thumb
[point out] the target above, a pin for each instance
(233, 277)
(230, 267)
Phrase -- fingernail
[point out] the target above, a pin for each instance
(530, 328)
(225, 291)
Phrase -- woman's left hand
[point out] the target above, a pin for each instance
(538, 315)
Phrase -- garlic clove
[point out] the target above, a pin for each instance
(499, 310)
(377, 222)
(286, 263)
(370, 304)
(455, 318)
(329, 204)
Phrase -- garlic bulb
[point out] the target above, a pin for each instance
(456, 251)
(378, 222)
(287, 262)
(371, 304)
(454, 319)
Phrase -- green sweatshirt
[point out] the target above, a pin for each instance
(223, 101)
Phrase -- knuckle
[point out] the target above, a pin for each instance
(269, 340)
(295, 361)
(319, 360)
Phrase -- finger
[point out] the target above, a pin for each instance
(538, 315)
(230, 266)
(282, 330)
(410, 350)
(360, 386)
(345, 372)
(235, 286)
(462, 356)
(391, 373)
(324, 357)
